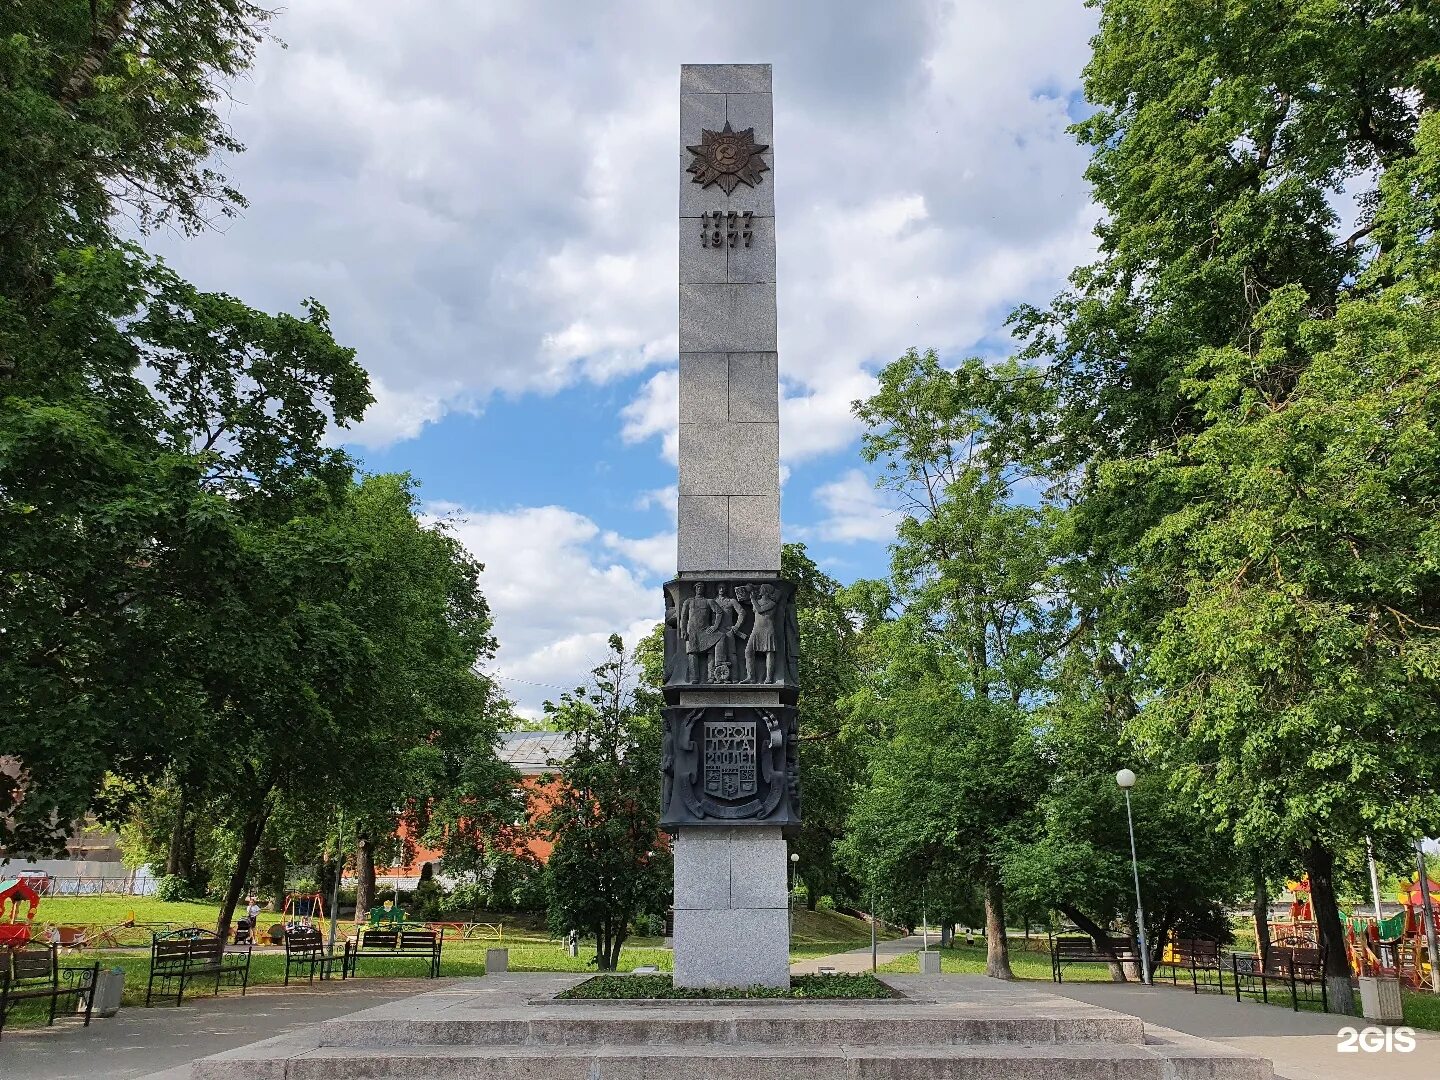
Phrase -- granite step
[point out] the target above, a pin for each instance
(647, 1027)
(1159, 1060)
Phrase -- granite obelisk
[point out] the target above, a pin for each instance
(730, 784)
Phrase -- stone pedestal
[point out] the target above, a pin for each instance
(732, 920)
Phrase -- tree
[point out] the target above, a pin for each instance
(113, 524)
(832, 763)
(972, 575)
(1231, 325)
(361, 631)
(609, 864)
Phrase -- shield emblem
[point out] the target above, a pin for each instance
(729, 759)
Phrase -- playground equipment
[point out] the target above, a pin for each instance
(13, 892)
(1300, 930)
(304, 909)
(386, 916)
(1393, 947)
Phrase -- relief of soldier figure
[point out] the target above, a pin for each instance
(742, 632)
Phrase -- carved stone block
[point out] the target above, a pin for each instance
(729, 765)
(720, 634)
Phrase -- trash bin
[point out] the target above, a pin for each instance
(1380, 1000)
(109, 985)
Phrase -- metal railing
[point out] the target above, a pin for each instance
(118, 885)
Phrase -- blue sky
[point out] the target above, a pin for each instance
(484, 197)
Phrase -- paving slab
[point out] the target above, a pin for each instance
(139, 1042)
(1302, 1045)
(509, 1027)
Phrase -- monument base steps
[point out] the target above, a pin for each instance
(507, 1027)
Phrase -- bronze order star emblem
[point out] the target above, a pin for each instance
(728, 158)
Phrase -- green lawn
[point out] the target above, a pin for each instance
(824, 933)
(1026, 963)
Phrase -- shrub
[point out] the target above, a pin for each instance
(468, 899)
(172, 888)
(429, 899)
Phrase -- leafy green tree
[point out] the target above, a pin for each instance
(134, 408)
(1240, 378)
(831, 757)
(358, 687)
(609, 864)
(970, 600)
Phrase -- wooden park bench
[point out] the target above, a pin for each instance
(1086, 950)
(1200, 957)
(1300, 970)
(182, 956)
(35, 974)
(305, 947)
(392, 944)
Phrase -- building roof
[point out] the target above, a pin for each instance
(531, 753)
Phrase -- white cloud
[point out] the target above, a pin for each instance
(855, 510)
(665, 498)
(483, 194)
(559, 587)
(656, 412)
(654, 553)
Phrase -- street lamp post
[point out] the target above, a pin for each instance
(1126, 779)
(790, 897)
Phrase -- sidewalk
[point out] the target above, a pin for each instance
(858, 960)
(162, 1041)
(1303, 1046)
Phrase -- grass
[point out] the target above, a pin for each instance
(633, 987)
(1026, 963)
(824, 933)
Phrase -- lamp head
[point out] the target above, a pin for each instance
(1125, 778)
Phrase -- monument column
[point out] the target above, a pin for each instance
(730, 783)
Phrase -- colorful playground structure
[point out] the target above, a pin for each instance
(14, 892)
(1390, 947)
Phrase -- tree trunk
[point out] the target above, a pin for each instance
(617, 942)
(1261, 910)
(947, 934)
(174, 857)
(997, 947)
(1320, 864)
(250, 834)
(1087, 924)
(364, 875)
(276, 881)
(102, 39)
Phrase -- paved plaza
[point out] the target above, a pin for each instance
(159, 1043)
(1302, 1045)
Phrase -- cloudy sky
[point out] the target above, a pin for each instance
(483, 195)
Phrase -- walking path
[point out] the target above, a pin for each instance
(1303, 1046)
(160, 1043)
(857, 960)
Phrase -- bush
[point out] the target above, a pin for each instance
(172, 888)
(429, 899)
(468, 899)
(650, 926)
